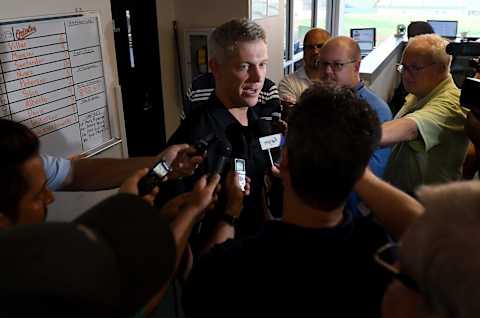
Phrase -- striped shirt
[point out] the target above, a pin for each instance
(203, 87)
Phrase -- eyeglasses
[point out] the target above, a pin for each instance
(387, 251)
(313, 46)
(411, 68)
(336, 66)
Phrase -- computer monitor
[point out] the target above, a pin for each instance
(365, 37)
(445, 28)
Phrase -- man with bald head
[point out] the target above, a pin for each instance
(339, 65)
(430, 142)
(293, 85)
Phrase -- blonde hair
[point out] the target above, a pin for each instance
(224, 40)
(433, 46)
(440, 250)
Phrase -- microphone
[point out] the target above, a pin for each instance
(202, 144)
(218, 156)
(237, 135)
(264, 125)
(224, 157)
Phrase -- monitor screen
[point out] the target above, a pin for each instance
(365, 37)
(446, 28)
(365, 46)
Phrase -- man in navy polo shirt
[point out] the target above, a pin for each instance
(238, 60)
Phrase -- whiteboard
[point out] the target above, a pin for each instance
(52, 80)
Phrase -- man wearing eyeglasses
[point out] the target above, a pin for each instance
(439, 259)
(292, 86)
(427, 132)
(339, 64)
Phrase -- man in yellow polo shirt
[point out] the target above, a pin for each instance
(427, 132)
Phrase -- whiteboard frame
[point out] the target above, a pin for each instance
(111, 87)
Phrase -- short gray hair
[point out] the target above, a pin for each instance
(223, 41)
(433, 46)
(440, 251)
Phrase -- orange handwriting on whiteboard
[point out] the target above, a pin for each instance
(17, 45)
(25, 32)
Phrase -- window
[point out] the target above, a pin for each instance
(302, 22)
(387, 14)
(321, 14)
(301, 16)
(384, 15)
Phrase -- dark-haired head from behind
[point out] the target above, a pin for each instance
(18, 144)
(331, 137)
(418, 28)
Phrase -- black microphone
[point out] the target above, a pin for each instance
(219, 155)
(238, 136)
(223, 159)
(264, 126)
(202, 144)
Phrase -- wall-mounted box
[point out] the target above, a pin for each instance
(196, 54)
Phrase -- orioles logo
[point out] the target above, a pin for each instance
(25, 32)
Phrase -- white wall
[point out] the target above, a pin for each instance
(387, 79)
(378, 68)
(68, 205)
(168, 62)
(275, 30)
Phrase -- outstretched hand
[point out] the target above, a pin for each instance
(196, 201)
(130, 185)
(234, 194)
(275, 170)
(182, 160)
(204, 193)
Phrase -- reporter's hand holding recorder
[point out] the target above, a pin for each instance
(234, 194)
(183, 212)
(174, 162)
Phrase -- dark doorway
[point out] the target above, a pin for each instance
(138, 64)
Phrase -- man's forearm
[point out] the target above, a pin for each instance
(398, 130)
(103, 173)
(181, 228)
(395, 209)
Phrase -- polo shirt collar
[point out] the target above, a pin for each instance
(224, 117)
(358, 86)
(416, 104)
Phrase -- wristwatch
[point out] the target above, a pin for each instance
(229, 219)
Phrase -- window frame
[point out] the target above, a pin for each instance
(290, 58)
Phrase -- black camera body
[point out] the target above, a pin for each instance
(465, 64)
(469, 97)
(465, 61)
